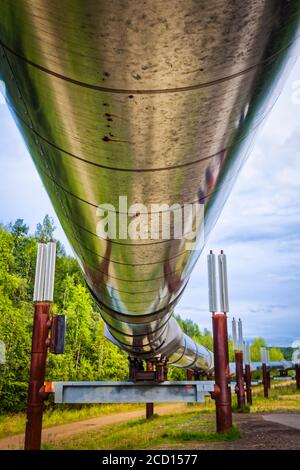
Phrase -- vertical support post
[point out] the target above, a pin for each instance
(240, 385)
(149, 406)
(149, 410)
(268, 370)
(222, 391)
(160, 371)
(297, 370)
(189, 374)
(265, 380)
(247, 354)
(222, 376)
(239, 370)
(35, 402)
(269, 378)
(248, 384)
(42, 296)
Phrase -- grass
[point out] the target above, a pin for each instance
(191, 425)
(282, 399)
(12, 424)
(235, 409)
(196, 423)
(187, 436)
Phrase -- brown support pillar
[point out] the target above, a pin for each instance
(265, 380)
(269, 378)
(35, 405)
(149, 410)
(149, 406)
(297, 370)
(160, 371)
(248, 384)
(240, 385)
(222, 392)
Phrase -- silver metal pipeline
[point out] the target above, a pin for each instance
(157, 101)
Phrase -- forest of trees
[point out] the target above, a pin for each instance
(88, 355)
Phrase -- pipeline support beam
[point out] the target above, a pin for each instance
(132, 392)
(240, 384)
(189, 374)
(41, 325)
(265, 380)
(222, 392)
(297, 370)
(149, 406)
(248, 384)
(149, 410)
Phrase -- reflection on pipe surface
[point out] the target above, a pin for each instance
(157, 101)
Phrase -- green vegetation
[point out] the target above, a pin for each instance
(275, 353)
(88, 355)
(190, 425)
(282, 398)
(196, 423)
(287, 352)
(62, 414)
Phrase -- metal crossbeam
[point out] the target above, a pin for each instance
(131, 392)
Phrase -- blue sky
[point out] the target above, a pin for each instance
(259, 228)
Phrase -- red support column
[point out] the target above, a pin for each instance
(35, 405)
(189, 374)
(149, 406)
(149, 410)
(240, 385)
(297, 370)
(265, 380)
(160, 371)
(222, 392)
(269, 379)
(248, 384)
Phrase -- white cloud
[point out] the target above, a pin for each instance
(22, 194)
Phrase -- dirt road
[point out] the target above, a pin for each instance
(65, 430)
(258, 430)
